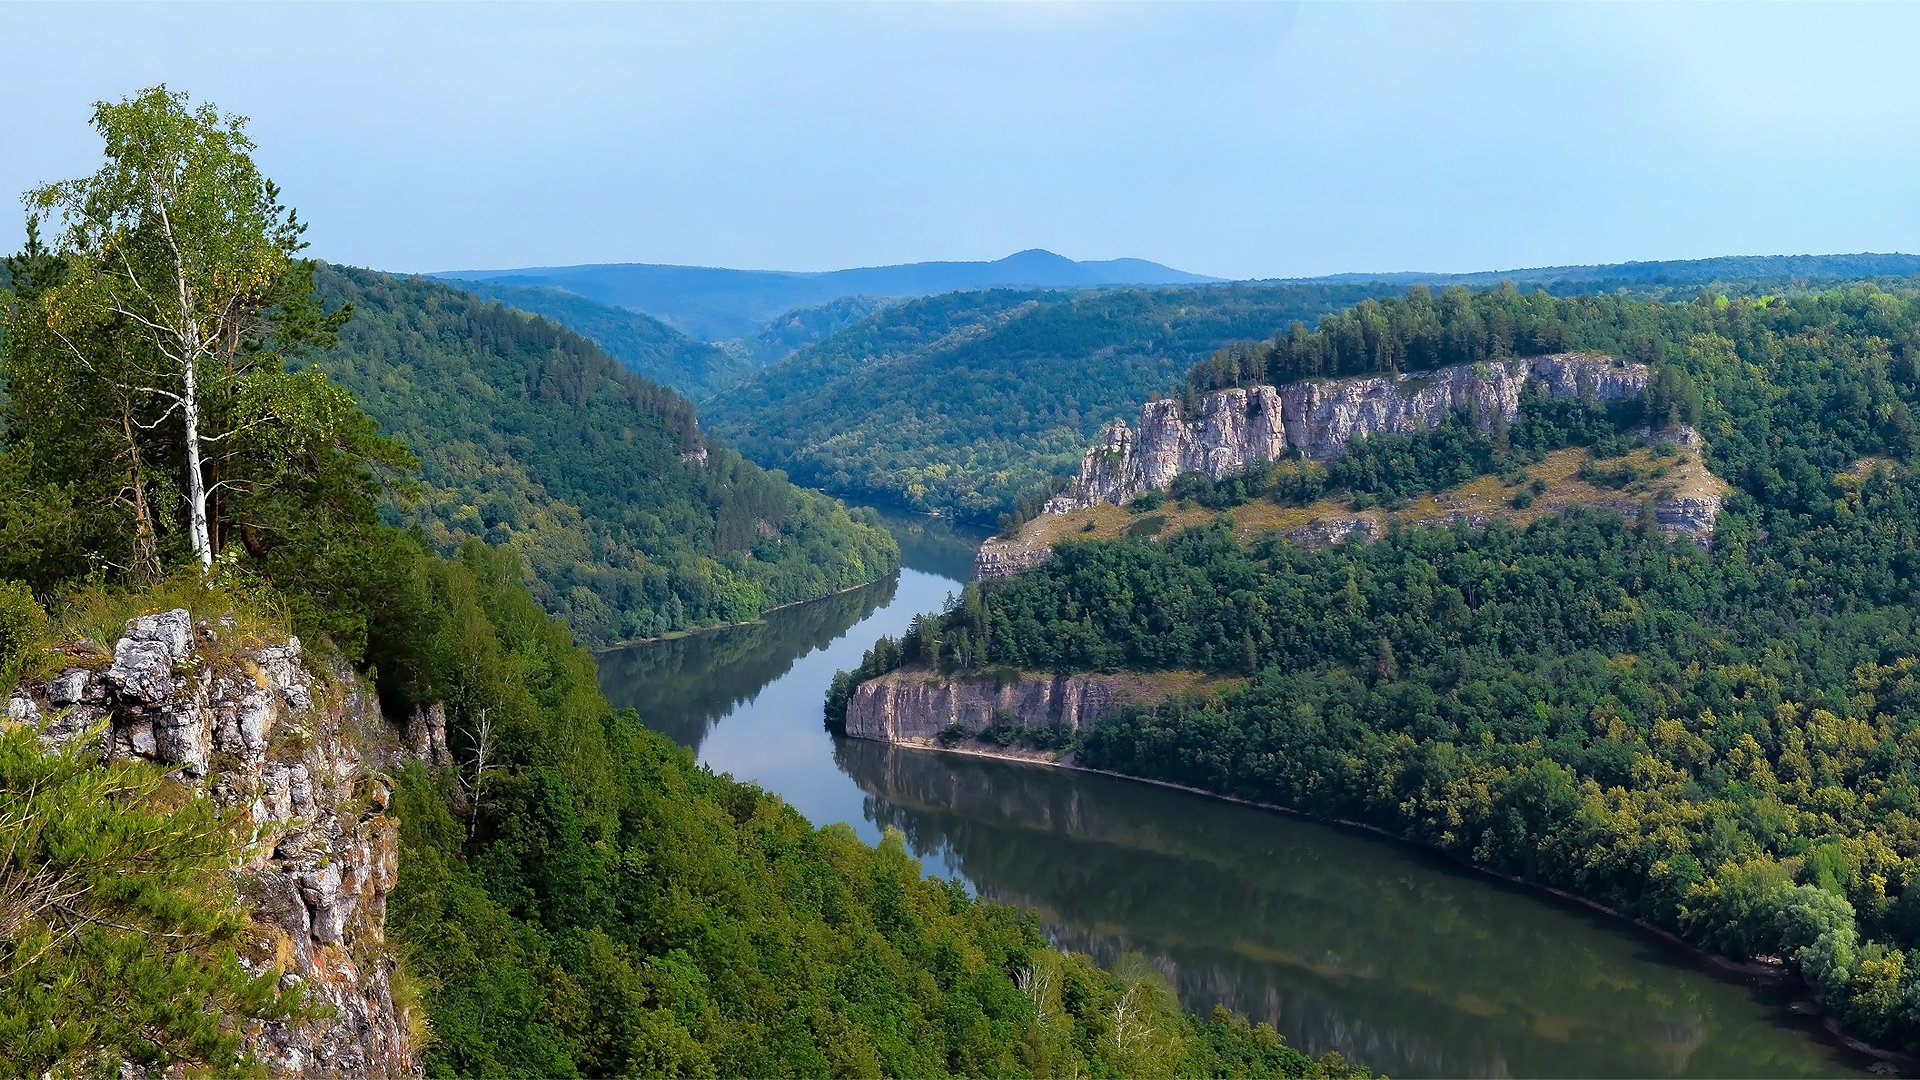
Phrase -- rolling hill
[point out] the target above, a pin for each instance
(718, 304)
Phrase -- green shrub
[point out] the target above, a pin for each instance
(1150, 501)
(23, 628)
(1146, 527)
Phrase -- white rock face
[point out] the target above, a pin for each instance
(1239, 428)
(906, 705)
(242, 722)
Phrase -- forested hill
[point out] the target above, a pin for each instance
(644, 344)
(965, 403)
(717, 304)
(1719, 741)
(630, 522)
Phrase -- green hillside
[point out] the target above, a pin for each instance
(967, 402)
(576, 896)
(645, 345)
(631, 524)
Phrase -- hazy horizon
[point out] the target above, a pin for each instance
(1237, 141)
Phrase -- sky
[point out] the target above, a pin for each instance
(1240, 140)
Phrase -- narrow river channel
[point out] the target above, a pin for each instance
(1341, 941)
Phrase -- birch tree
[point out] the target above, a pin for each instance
(180, 237)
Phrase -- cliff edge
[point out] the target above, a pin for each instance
(244, 720)
(1243, 427)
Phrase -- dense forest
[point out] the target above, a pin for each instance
(1718, 742)
(590, 902)
(972, 404)
(968, 402)
(643, 344)
(630, 522)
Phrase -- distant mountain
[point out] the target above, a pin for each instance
(1670, 273)
(717, 304)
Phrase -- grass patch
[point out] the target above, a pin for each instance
(1553, 482)
(100, 615)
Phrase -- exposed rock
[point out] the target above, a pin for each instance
(1239, 428)
(426, 735)
(1336, 530)
(915, 704)
(1692, 516)
(997, 559)
(242, 721)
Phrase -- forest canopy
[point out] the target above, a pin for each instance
(1721, 742)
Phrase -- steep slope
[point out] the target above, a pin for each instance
(629, 522)
(716, 304)
(966, 403)
(1235, 430)
(242, 725)
(643, 344)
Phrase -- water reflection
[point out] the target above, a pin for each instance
(936, 545)
(681, 686)
(1341, 942)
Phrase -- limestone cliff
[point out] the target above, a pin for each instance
(914, 704)
(244, 720)
(1236, 429)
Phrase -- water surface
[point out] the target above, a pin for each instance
(1340, 940)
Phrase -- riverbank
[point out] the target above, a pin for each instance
(758, 620)
(1887, 1061)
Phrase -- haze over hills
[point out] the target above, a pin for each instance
(719, 304)
(1666, 272)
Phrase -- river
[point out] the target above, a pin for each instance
(1342, 941)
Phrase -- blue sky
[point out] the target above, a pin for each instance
(1231, 139)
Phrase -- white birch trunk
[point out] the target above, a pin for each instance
(192, 345)
(196, 481)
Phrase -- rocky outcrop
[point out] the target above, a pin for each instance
(998, 559)
(1236, 429)
(914, 704)
(244, 721)
(1691, 516)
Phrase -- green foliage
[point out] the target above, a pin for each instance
(643, 344)
(1717, 742)
(532, 439)
(614, 909)
(969, 402)
(23, 628)
(118, 938)
(576, 896)
(1150, 525)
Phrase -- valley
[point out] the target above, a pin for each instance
(1343, 942)
(979, 667)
